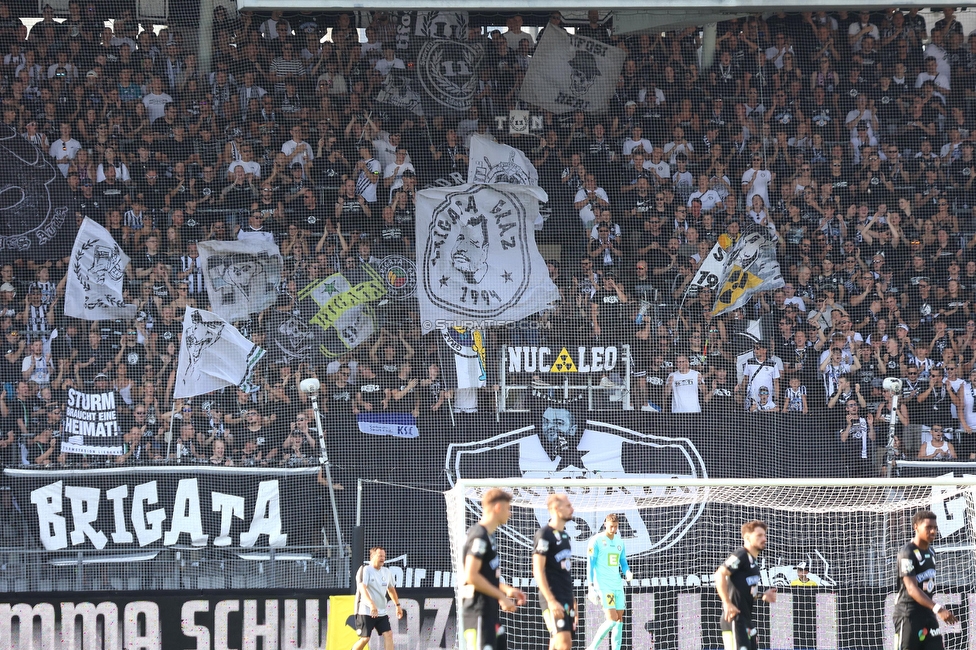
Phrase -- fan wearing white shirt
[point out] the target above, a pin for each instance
(756, 180)
(63, 149)
(709, 198)
(635, 141)
(683, 386)
(389, 62)
(298, 151)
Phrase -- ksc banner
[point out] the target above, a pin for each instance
(127, 508)
(91, 424)
(398, 425)
(478, 263)
(569, 73)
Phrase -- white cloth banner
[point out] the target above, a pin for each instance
(94, 287)
(478, 264)
(492, 162)
(749, 267)
(570, 72)
(710, 271)
(213, 355)
(241, 277)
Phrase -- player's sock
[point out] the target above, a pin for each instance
(617, 635)
(601, 633)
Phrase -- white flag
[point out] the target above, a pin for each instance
(492, 162)
(570, 72)
(94, 287)
(478, 264)
(213, 354)
(241, 277)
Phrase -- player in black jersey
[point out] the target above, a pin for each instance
(916, 615)
(482, 591)
(737, 582)
(552, 569)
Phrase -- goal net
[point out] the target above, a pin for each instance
(677, 534)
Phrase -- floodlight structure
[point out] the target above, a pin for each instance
(310, 387)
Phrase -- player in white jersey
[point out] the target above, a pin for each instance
(373, 583)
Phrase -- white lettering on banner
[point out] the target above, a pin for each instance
(950, 514)
(187, 517)
(267, 631)
(84, 512)
(26, 615)
(188, 615)
(228, 506)
(544, 359)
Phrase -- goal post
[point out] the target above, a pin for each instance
(677, 531)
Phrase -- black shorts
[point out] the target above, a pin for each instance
(737, 635)
(365, 624)
(919, 632)
(558, 625)
(482, 633)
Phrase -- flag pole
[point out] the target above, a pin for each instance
(169, 434)
(311, 387)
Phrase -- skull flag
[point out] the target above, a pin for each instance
(570, 72)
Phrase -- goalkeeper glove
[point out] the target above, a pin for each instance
(629, 576)
(593, 595)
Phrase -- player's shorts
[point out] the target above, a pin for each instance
(740, 636)
(559, 625)
(365, 624)
(482, 633)
(614, 599)
(917, 633)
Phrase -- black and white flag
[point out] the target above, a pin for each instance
(213, 355)
(241, 277)
(448, 73)
(570, 72)
(93, 290)
(478, 263)
(493, 162)
(91, 424)
(397, 92)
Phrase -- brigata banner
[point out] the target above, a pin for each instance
(91, 424)
(128, 508)
(802, 617)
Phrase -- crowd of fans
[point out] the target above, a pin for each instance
(847, 137)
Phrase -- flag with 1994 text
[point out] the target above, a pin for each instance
(478, 262)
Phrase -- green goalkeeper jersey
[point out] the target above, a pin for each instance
(608, 561)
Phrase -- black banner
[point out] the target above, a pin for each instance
(131, 508)
(802, 617)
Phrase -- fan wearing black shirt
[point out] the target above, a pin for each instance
(738, 583)
(482, 591)
(916, 615)
(551, 567)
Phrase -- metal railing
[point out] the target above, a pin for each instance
(174, 568)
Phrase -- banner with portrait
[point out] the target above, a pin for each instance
(241, 277)
(478, 262)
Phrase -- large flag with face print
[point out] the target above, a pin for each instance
(241, 277)
(213, 355)
(478, 265)
(93, 290)
(570, 72)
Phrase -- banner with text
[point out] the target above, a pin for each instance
(91, 424)
(128, 508)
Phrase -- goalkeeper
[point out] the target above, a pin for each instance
(607, 570)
